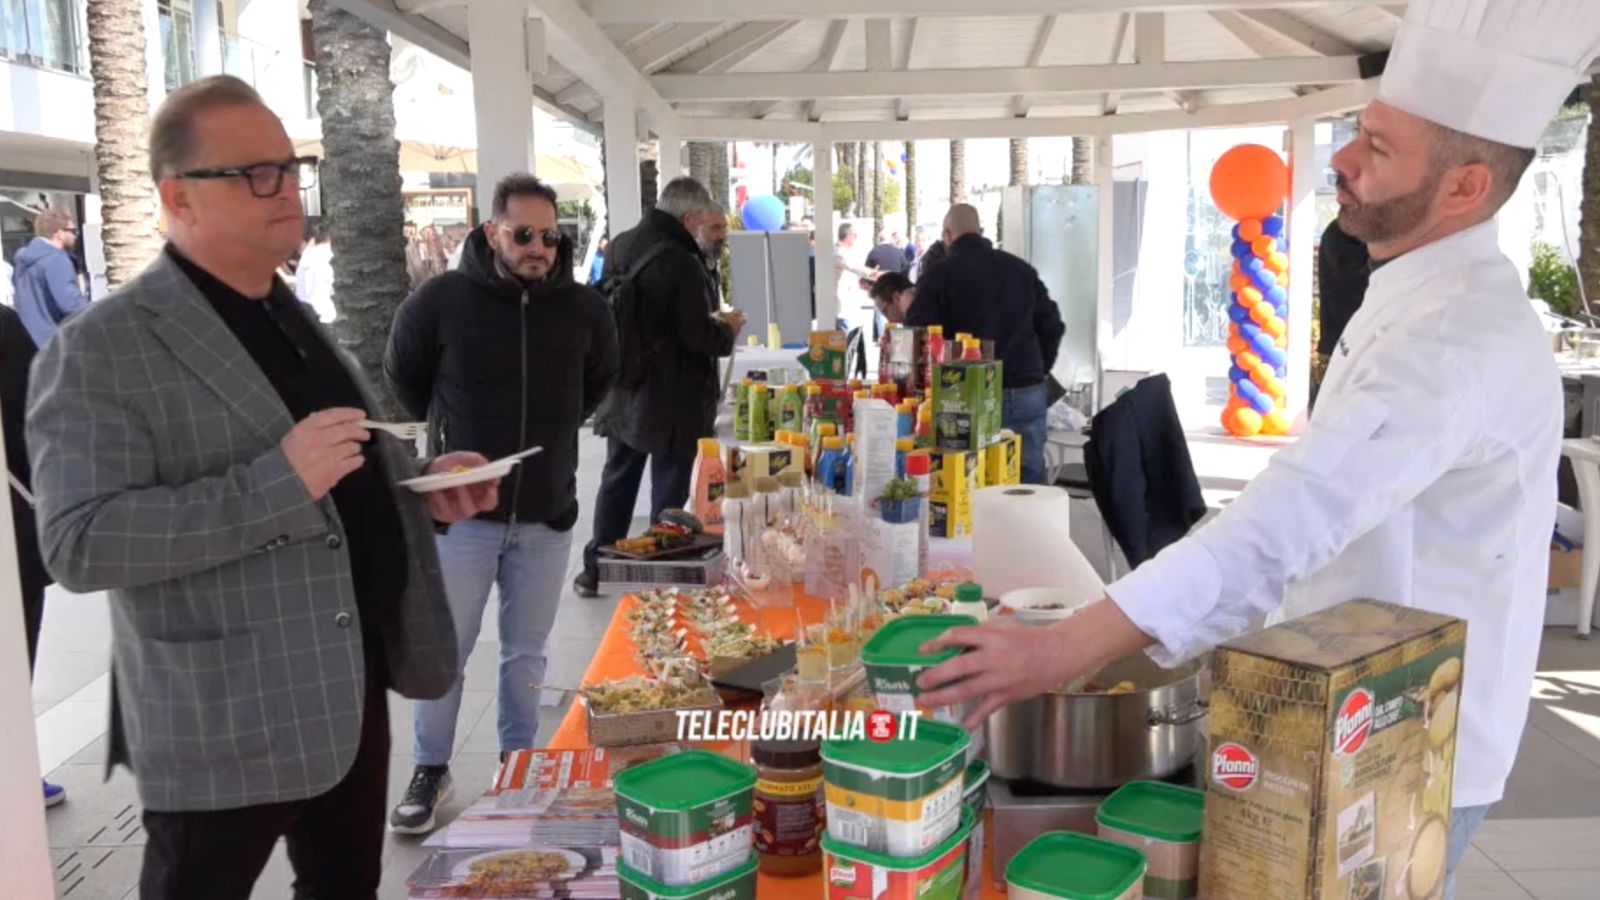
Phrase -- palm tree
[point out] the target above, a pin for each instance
(700, 154)
(911, 189)
(1019, 162)
(717, 175)
(362, 205)
(958, 171)
(1589, 228)
(1081, 148)
(128, 208)
(863, 180)
(877, 192)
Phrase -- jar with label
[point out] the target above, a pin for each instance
(789, 807)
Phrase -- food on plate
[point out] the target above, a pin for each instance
(517, 866)
(639, 694)
(675, 529)
(456, 470)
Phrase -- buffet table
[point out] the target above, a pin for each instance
(780, 616)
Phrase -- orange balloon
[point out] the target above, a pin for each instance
(1262, 375)
(1250, 229)
(1276, 423)
(1237, 268)
(1249, 297)
(1237, 345)
(1282, 341)
(1278, 263)
(1264, 246)
(1233, 329)
(1261, 313)
(1247, 423)
(1249, 182)
(1247, 360)
(1239, 283)
(1276, 327)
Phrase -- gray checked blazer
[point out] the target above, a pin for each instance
(238, 676)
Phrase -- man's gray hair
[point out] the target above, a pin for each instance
(174, 141)
(685, 195)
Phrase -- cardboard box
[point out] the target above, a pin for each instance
(833, 404)
(954, 481)
(1566, 568)
(1332, 752)
(967, 405)
(747, 462)
(1002, 461)
(824, 357)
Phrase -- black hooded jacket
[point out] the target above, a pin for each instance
(496, 366)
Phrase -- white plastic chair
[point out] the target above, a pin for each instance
(1585, 457)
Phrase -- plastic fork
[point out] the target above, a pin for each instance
(405, 431)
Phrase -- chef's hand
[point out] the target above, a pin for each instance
(1007, 661)
(455, 504)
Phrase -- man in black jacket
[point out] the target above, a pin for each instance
(997, 297)
(660, 419)
(504, 353)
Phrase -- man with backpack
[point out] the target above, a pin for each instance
(665, 300)
(504, 353)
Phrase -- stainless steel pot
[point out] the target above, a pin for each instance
(1099, 741)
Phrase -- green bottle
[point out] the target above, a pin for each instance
(761, 413)
(741, 410)
(792, 409)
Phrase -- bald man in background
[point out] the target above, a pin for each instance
(997, 297)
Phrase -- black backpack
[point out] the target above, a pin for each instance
(633, 343)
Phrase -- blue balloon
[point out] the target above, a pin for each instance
(764, 212)
(1249, 392)
(1235, 234)
(1282, 309)
(1249, 331)
(1263, 403)
(1238, 313)
(1253, 265)
(1236, 374)
(1272, 226)
(1241, 250)
(1263, 343)
(1281, 371)
(1274, 357)
(1277, 294)
(1264, 279)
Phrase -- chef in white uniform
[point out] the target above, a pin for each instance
(1427, 477)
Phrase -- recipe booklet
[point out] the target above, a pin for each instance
(582, 873)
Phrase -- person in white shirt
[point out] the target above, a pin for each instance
(1427, 476)
(313, 278)
(6, 289)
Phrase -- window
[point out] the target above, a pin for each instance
(44, 33)
(177, 41)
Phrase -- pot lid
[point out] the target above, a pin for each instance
(1071, 865)
(934, 743)
(899, 642)
(1155, 809)
(682, 781)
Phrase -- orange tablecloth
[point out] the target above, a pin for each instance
(615, 659)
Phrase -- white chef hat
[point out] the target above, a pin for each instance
(1495, 69)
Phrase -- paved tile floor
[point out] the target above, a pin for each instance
(1542, 842)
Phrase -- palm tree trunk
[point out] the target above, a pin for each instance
(361, 199)
(863, 181)
(1081, 161)
(128, 208)
(958, 171)
(649, 185)
(1589, 227)
(877, 193)
(1019, 162)
(911, 190)
(700, 154)
(852, 172)
(717, 177)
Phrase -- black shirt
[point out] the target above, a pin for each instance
(308, 376)
(1342, 270)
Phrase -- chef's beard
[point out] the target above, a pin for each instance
(1381, 221)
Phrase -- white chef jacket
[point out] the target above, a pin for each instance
(313, 281)
(1426, 478)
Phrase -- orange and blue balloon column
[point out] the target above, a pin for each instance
(1249, 183)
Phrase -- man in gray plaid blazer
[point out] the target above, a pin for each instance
(198, 452)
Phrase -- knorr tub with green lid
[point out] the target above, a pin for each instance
(901, 797)
(1065, 865)
(975, 800)
(739, 884)
(686, 818)
(852, 873)
(1162, 821)
(893, 659)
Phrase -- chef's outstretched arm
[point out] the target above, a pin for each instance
(1410, 415)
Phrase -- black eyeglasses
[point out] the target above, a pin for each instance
(523, 235)
(266, 178)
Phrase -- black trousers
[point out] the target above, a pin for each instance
(335, 840)
(619, 489)
(33, 576)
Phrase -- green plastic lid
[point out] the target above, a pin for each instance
(935, 742)
(969, 593)
(976, 778)
(1154, 809)
(1071, 865)
(645, 883)
(899, 642)
(884, 861)
(683, 781)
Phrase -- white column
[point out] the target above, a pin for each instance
(502, 92)
(1105, 262)
(208, 36)
(1302, 230)
(155, 60)
(822, 191)
(622, 164)
(25, 851)
(669, 152)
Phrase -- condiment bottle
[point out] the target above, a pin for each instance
(902, 446)
(919, 468)
(790, 807)
(760, 412)
(709, 482)
(968, 601)
(735, 510)
(830, 463)
(971, 350)
(935, 351)
(791, 409)
(741, 410)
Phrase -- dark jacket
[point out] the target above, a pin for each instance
(1342, 271)
(1138, 463)
(47, 288)
(16, 355)
(496, 367)
(993, 296)
(676, 405)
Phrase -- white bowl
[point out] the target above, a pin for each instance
(1029, 604)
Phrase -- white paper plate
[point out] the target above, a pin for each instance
(500, 468)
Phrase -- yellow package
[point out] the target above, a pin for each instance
(955, 480)
(1002, 461)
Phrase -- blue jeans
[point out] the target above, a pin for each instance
(1464, 822)
(1025, 413)
(529, 564)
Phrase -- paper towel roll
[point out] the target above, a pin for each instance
(1022, 537)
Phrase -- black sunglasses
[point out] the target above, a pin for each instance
(265, 178)
(523, 235)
